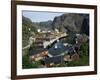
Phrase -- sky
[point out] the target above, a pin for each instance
(37, 16)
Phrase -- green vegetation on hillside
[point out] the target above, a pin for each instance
(27, 28)
(27, 63)
(70, 23)
(84, 56)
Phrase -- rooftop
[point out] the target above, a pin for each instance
(60, 48)
(36, 51)
(55, 59)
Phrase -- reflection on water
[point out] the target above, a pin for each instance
(59, 48)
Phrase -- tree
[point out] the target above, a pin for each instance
(84, 56)
(27, 28)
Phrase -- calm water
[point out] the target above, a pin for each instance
(58, 48)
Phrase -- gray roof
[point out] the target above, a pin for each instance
(36, 51)
(71, 50)
(61, 49)
(55, 59)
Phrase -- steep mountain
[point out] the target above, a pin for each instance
(27, 27)
(85, 26)
(69, 22)
(72, 22)
(46, 24)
